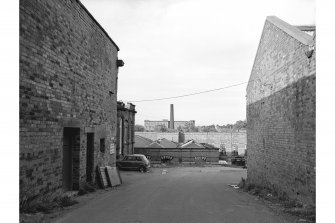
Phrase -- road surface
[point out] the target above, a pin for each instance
(179, 194)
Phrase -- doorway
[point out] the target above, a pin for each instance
(71, 151)
(90, 157)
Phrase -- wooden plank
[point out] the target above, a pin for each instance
(118, 173)
(114, 178)
(102, 177)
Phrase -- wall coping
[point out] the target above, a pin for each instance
(96, 22)
(292, 31)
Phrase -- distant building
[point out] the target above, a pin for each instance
(125, 131)
(281, 111)
(172, 124)
(164, 150)
(151, 125)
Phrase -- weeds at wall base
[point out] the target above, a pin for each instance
(291, 206)
(86, 188)
(46, 204)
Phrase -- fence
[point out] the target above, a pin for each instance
(179, 155)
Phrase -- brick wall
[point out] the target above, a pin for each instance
(68, 78)
(281, 115)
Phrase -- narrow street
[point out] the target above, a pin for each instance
(178, 194)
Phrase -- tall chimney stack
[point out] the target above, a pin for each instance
(171, 117)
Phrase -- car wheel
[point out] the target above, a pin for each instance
(142, 169)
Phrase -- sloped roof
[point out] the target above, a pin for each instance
(208, 146)
(142, 142)
(192, 144)
(167, 143)
(155, 145)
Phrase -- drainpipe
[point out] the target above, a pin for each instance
(231, 139)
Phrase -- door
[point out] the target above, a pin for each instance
(89, 157)
(71, 148)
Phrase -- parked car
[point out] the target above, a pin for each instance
(134, 162)
(238, 160)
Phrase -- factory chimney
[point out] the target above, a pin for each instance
(171, 117)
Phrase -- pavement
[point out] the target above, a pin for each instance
(178, 194)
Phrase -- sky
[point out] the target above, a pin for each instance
(178, 47)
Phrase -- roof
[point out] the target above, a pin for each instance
(293, 31)
(96, 22)
(155, 145)
(142, 142)
(192, 144)
(156, 121)
(128, 107)
(208, 146)
(167, 143)
(134, 155)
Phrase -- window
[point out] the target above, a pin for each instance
(102, 145)
(131, 158)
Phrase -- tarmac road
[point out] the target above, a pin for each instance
(179, 194)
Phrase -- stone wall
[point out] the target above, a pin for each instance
(229, 141)
(281, 114)
(172, 136)
(68, 77)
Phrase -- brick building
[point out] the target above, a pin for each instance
(169, 124)
(68, 89)
(164, 150)
(126, 129)
(150, 125)
(281, 111)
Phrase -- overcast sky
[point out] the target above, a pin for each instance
(177, 47)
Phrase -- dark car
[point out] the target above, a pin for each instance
(134, 162)
(238, 160)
